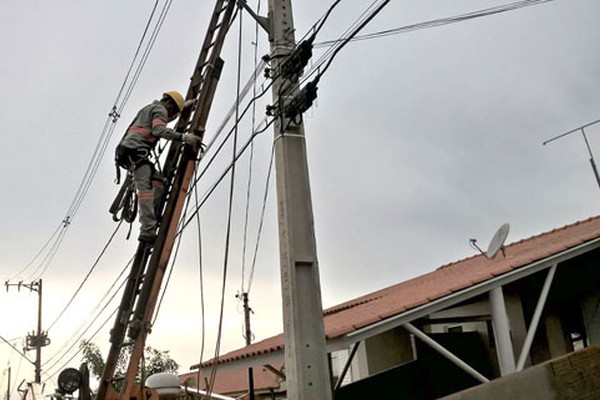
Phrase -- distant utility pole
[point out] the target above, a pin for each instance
(248, 334)
(8, 386)
(35, 340)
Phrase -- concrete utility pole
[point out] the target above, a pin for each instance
(306, 365)
(39, 339)
(8, 385)
(248, 334)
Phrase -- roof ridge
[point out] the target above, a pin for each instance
(527, 239)
(350, 304)
(398, 298)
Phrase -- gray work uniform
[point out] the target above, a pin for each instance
(149, 125)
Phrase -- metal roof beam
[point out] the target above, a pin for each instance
(536, 318)
(443, 351)
(476, 290)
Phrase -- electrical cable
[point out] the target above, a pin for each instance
(114, 115)
(106, 134)
(235, 157)
(92, 317)
(15, 349)
(347, 39)
(251, 155)
(93, 267)
(244, 92)
(81, 348)
(14, 385)
(201, 285)
(285, 90)
(171, 264)
(38, 253)
(317, 29)
(101, 147)
(116, 111)
(90, 324)
(224, 173)
(49, 257)
(137, 51)
(262, 218)
(128, 93)
(439, 22)
(229, 215)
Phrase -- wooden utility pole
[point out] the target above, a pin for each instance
(306, 365)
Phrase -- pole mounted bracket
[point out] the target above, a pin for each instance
(264, 22)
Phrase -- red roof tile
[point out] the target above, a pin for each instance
(227, 382)
(449, 278)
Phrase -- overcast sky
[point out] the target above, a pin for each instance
(417, 143)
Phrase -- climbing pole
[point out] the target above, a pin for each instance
(150, 262)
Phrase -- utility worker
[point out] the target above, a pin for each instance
(133, 152)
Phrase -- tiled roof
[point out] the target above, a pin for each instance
(450, 278)
(237, 381)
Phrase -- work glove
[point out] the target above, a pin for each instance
(191, 140)
(189, 104)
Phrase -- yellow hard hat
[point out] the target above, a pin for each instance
(177, 98)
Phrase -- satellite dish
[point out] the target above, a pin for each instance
(496, 244)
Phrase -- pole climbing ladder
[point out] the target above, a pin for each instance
(150, 262)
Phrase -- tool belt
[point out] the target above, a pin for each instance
(129, 159)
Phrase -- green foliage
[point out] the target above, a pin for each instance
(154, 361)
(92, 356)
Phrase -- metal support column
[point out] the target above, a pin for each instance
(536, 318)
(306, 365)
(342, 376)
(443, 351)
(504, 348)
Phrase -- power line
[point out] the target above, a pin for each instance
(16, 350)
(105, 136)
(229, 212)
(95, 314)
(210, 191)
(201, 285)
(262, 218)
(92, 318)
(80, 349)
(439, 22)
(93, 267)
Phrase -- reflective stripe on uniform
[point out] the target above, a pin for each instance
(158, 122)
(146, 196)
(144, 132)
(158, 184)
